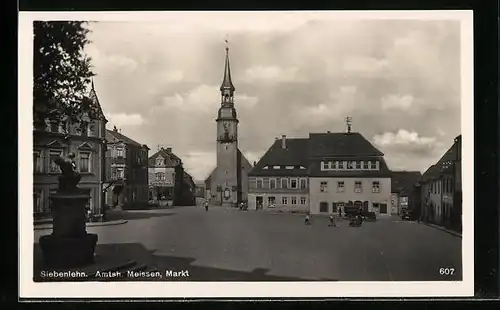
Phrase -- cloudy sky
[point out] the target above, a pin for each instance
(294, 73)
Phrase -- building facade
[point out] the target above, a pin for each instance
(404, 193)
(441, 191)
(347, 172)
(228, 181)
(165, 172)
(126, 170)
(58, 138)
(279, 181)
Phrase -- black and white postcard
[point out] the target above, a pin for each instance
(246, 154)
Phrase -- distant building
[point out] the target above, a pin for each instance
(165, 175)
(188, 193)
(404, 194)
(441, 189)
(58, 138)
(321, 174)
(200, 189)
(126, 170)
(227, 184)
(280, 178)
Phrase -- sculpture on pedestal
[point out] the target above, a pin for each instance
(69, 245)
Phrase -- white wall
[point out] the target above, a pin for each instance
(332, 195)
(279, 201)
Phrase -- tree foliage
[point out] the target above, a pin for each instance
(62, 71)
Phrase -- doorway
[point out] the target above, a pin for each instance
(259, 202)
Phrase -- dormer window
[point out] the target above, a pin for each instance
(119, 152)
(289, 167)
(276, 167)
(302, 168)
(159, 162)
(266, 167)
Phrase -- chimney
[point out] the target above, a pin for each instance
(169, 150)
(283, 141)
(115, 129)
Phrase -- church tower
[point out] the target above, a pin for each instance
(228, 187)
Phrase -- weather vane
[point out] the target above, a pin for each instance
(227, 42)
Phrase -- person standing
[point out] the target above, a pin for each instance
(206, 205)
(332, 220)
(308, 219)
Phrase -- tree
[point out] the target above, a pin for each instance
(62, 72)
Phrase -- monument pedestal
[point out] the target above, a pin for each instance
(70, 245)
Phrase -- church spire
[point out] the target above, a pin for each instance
(227, 87)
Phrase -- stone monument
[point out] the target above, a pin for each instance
(69, 245)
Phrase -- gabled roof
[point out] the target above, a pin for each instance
(444, 164)
(112, 135)
(188, 179)
(340, 144)
(295, 154)
(97, 104)
(168, 156)
(403, 181)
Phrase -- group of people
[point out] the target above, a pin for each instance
(332, 223)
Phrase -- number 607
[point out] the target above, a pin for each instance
(446, 271)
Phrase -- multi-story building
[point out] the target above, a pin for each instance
(59, 137)
(441, 189)
(126, 170)
(346, 171)
(404, 194)
(188, 193)
(320, 174)
(167, 180)
(280, 179)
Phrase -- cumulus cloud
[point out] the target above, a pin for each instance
(402, 137)
(403, 102)
(124, 119)
(164, 77)
(271, 74)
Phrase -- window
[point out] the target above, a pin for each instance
(376, 187)
(303, 183)
(357, 187)
(284, 200)
(383, 208)
(351, 165)
(259, 183)
(84, 162)
(335, 165)
(38, 200)
(340, 186)
(54, 168)
(323, 186)
(271, 200)
(160, 176)
(278, 182)
(370, 166)
(358, 165)
(365, 165)
(159, 161)
(377, 164)
(265, 183)
(37, 161)
(272, 183)
(284, 183)
(276, 167)
(294, 201)
(62, 128)
(344, 165)
(329, 165)
(289, 167)
(120, 173)
(302, 200)
(293, 183)
(119, 152)
(323, 166)
(54, 126)
(323, 207)
(91, 130)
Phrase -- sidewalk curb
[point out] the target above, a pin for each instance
(91, 224)
(443, 229)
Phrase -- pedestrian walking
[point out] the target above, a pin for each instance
(308, 220)
(206, 206)
(332, 221)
